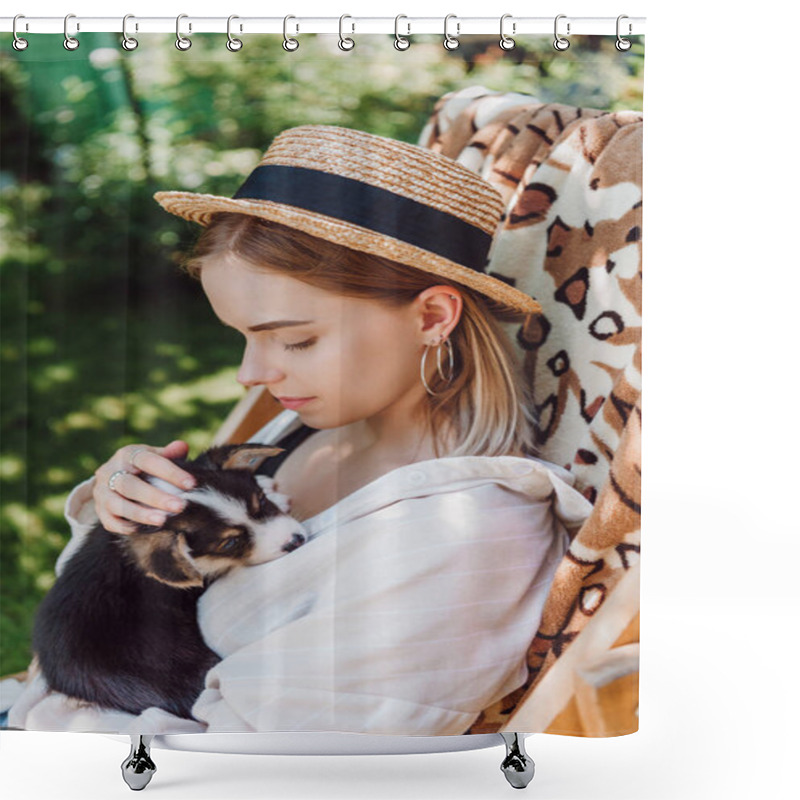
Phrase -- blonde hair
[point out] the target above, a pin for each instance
(487, 407)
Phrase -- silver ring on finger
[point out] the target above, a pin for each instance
(133, 456)
(113, 479)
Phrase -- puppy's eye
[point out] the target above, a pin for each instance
(228, 545)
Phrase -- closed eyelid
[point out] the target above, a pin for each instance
(301, 345)
(274, 341)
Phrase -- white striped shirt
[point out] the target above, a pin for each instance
(408, 611)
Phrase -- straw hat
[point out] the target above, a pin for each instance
(375, 195)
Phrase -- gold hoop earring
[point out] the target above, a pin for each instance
(447, 380)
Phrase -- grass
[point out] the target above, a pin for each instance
(89, 365)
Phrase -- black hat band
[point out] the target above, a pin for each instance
(372, 208)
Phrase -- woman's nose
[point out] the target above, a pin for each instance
(253, 370)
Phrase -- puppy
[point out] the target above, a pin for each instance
(119, 626)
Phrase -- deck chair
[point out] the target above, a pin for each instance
(572, 181)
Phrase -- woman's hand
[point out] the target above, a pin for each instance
(133, 499)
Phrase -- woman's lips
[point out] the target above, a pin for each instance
(294, 402)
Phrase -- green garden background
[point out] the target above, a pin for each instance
(103, 342)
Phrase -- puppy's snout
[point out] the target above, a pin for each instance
(281, 535)
(295, 542)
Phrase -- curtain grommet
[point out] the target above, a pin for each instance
(18, 43)
(70, 42)
(400, 42)
(560, 43)
(506, 42)
(289, 44)
(345, 42)
(181, 42)
(128, 42)
(451, 42)
(233, 44)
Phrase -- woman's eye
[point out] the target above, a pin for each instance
(300, 345)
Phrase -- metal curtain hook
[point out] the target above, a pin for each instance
(623, 44)
(400, 42)
(232, 44)
(451, 42)
(128, 42)
(560, 43)
(289, 44)
(506, 42)
(345, 42)
(18, 44)
(182, 43)
(70, 43)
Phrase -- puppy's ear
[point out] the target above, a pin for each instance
(249, 456)
(164, 555)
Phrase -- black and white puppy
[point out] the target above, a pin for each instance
(119, 626)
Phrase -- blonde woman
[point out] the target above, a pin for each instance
(354, 267)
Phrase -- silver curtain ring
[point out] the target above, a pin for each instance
(70, 43)
(290, 45)
(623, 44)
(559, 42)
(181, 42)
(18, 44)
(345, 42)
(451, 42)
(506, 42)
(400, 42)
(234, 45)
(128, 42)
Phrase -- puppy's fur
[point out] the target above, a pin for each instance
(119, 627)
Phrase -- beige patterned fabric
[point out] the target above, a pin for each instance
(572, 181)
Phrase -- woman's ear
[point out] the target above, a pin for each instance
(439, 309)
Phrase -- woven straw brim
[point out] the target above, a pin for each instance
(407, 171)
(200, 208)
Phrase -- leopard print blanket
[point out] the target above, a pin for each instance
(571, 237)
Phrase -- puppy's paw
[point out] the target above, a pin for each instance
(267, 484)
(282, 501)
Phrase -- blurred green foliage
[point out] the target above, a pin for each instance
(104, 342)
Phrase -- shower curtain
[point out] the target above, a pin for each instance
(452, 596)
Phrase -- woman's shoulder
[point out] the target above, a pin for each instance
(486, 482)
(440, 485)
(491, 469)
